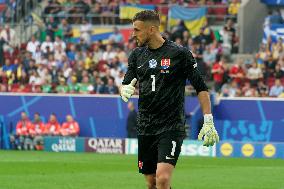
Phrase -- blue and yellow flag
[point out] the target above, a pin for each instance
(97, 34)
(128, 11)
(194, 18)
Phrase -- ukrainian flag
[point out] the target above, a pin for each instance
(97, 34)
(194, 18)
(128, 11)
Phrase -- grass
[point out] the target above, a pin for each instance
(49, 170)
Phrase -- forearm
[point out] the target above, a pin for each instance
(204, 100)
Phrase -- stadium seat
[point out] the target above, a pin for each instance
(220, 12)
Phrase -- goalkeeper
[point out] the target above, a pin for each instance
(161, 69)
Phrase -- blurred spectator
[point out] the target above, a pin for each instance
(237, 72)
(52, 127)
(38, 55)
(89, 63)
(178, 30)
(34, 78)
(10, 12)
(47, 45)
(96, 11)
(230, 89)
(66, 30)
(2, 44)
(59, 55)
(98, 53)
(248, 90)
(21, 139)
(234, 8)
(32, 45)
(46, 86)
(218, 71)
(278, 73)
(71, 53)
(81, 47)
(3, 88)
(185, 37)
(51, 28)
(230, 40)
(276, 89)
(9, 36)
(79, 8)
(254, 74)
(209, 56)
(8, 68)
(85, 86)
(131, 121)
(53, 7)
(59, 43)
(202, 38)
(110, 87)
(262, 89)
(269, 64)
(116, 37)
(86, 31)
(100, 87)
(73, 86)
(62, 87)
(70, 127)
(107, 14)
(109, 53)
(37, 131)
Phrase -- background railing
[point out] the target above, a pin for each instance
(215, 13)
(21, 10)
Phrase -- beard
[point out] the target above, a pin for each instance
(141, 43)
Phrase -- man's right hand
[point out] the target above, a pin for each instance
(128, 90)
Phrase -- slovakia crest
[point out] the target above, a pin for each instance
(165, 63)
(152, 63)
(140, 164)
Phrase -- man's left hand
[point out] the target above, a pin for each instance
(208, 131)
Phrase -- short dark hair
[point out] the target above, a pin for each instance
(147, 15)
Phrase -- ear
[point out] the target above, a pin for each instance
(152, 29)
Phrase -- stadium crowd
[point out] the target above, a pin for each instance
(107, 11)
(55, 64)
(29, 134)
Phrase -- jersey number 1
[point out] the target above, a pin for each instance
(153, 83)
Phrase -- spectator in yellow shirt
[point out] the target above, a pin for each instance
(234, 7)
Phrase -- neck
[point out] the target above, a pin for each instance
(156, 42)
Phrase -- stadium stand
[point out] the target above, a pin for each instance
(80, 58)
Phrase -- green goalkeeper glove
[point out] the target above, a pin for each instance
(208, 131)
(128, 90)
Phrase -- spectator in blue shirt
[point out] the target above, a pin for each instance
(276, 89)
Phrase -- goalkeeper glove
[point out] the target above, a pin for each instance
(128, 90)
(208, 131)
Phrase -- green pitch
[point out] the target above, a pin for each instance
(42, 170)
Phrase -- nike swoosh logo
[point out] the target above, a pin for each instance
(140, 66)
(167, 157)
